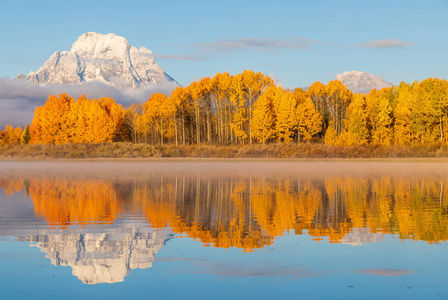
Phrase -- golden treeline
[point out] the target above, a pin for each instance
(249, 213)
(248, 108)
(85, 202)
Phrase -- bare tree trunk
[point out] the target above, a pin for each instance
(183, 129)
(209, 128)
(161, 132)
(198, 133)
(175, 129)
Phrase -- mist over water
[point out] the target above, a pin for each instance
(295, 222)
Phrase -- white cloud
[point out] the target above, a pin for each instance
(385, 44)
(271, 270)
(384, 272)
(261, 44)
(176, 57)
(19, 98)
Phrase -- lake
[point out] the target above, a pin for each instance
(188, 229)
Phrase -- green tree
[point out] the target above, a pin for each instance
(26, 137)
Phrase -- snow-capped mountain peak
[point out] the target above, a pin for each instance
(107, 58)
(362, 81)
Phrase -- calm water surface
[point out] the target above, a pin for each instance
(221, 230)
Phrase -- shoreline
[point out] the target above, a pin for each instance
(230, 160)
(274, 152)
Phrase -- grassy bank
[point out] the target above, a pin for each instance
(129, 150)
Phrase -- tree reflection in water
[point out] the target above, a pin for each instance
(246, 212)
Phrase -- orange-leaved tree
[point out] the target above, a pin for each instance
(50, 123)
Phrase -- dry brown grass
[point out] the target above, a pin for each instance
(129, 150)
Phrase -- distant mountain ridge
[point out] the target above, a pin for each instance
(105, 58)
(358, 81)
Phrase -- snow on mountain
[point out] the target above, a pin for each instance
(98, 57)
(362, 81)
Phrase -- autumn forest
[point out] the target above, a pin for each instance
(248, 108)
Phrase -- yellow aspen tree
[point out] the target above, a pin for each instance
(238, 122)
(383, 134)
(331, 135)
(171, 119)
(343, 138)
(220, 103)
(421, 106)
(380, 116)
(417, 105)
(179, 99)
(226, 107)
(432, 93)
(159, 111)
(285, 112)
(318, 94)
(17, 135)
(339, 98)
(402, 114)
(5, 136)
(246, 89)
(197, 92)
(168, 110)
(9, 135)
(2, 137)
(264, 116)
(307, 119)
(356, 122)
(206, 85)
(131, 119)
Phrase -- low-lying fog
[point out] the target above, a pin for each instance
(119, 170)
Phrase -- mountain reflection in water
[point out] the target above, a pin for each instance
(246, 211)
(106, 257)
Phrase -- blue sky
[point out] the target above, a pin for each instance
(297, 42)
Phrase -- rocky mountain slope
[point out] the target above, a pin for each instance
(362, 81)
(97, 57)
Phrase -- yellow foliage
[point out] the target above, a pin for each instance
(356, 123)
(159, 114)
(264, 116)
(308, 119)
(331, 136)
(286, 114)
(245, 90)
(223, 110)
(380, 112)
